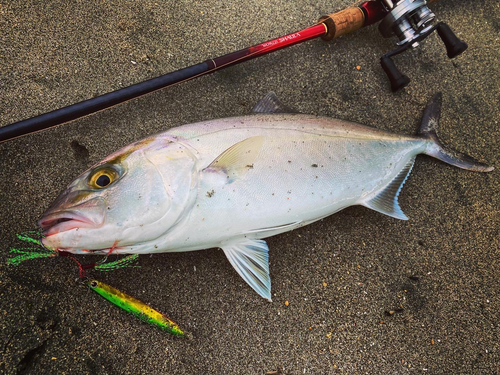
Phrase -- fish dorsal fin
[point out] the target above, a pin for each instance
(250, 259)
(239, 158)
(386, 202)
(271, 104)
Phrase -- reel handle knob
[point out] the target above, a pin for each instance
(454, 46)
(398, 79)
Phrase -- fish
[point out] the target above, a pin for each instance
(231, 183)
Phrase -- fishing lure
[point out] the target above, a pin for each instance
(136, 307)
(126, 302)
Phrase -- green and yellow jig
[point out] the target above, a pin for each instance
(135, 307)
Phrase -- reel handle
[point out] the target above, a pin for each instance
(398, 79)
(454, 46)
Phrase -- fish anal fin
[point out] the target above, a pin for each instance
(271, 104)
(239, 158)
(386, 201)
(250, 259)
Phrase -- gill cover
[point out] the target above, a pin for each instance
(175, 163)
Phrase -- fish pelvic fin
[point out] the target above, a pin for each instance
(428, 130)
(386, 201)
(250, 258)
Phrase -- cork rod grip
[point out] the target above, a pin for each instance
(343, 22)
(353, 18)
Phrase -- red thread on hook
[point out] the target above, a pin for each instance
(81, 267)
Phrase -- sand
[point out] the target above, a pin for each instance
(356, 293)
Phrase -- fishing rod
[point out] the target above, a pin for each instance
(409, 20)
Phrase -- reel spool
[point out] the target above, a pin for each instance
(410, 21)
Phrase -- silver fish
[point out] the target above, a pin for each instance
(230, 183)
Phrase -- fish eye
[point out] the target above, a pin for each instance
(93, 284)
(102, 177)
(103, 180)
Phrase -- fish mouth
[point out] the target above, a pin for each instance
(82, 216)
(64, 221)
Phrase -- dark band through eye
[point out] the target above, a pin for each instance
(103, 180)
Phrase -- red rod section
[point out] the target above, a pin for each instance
(267, 47)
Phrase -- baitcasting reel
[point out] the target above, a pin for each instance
(410, 21)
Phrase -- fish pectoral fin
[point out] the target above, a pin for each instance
(239, 158)
(386, 201)
(271, 104)
(250, 259)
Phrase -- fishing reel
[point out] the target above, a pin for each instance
(410, 21)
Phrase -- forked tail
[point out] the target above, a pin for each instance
(428, 130)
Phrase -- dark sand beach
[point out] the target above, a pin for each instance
(355, 293)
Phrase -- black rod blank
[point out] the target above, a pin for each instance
(74, 111)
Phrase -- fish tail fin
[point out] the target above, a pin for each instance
(428, 130)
